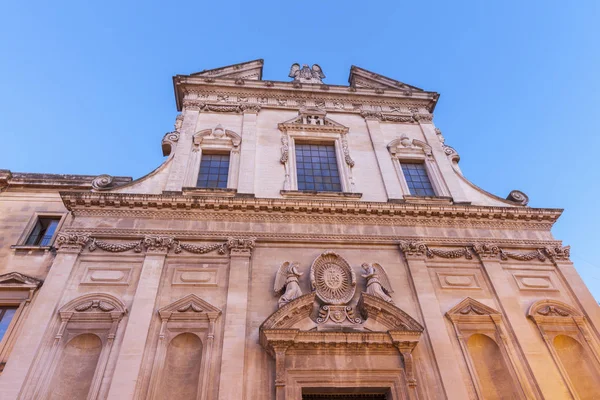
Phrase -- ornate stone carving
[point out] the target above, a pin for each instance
(158, 243)
(250, 108)
(412, 249)
(240, 246)
(451, 153)
(378, 283)
(115, 247)
(536, 254)
(95, 304)
(332, 278)
(306, 74)
(71, 241)
(558, 253)
(337, 314)
(369, 114)
(287, 278)
(464, 252)
(346, 152)
(102, 182)
(13, 280)
(552, 310)
(518, 197)
(486, 250)
(169, 142)
(192, 248)
(193, 105)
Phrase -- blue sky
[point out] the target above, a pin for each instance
(85, 87)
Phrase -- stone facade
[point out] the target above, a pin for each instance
(156, 288)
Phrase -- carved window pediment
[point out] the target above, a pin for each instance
(15, 280)
(190, 307)
(470, 309)
(93, 307)
(313, 120)
(217, 137)
(404, 147)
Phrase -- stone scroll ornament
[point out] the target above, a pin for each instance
(378, 283)
(287, 278)
(306, 74)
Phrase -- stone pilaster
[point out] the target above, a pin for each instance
(129, 360)
(384, 161)
(452, 378)
(22, 357)
(248, 152)
(231, 385)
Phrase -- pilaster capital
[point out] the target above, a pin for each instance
(486, 250)
(413, 249)
(371, 115)
(158, 244)
(250, 108)
(71, 242)
(240, 246)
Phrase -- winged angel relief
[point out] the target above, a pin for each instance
(287, 277)
(306, 74)
(378, 283)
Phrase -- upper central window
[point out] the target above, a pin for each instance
(317, 168)
(417, 179)
(214, 170)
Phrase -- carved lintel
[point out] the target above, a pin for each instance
(71, 241)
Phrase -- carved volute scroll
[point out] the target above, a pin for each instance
(332, 279)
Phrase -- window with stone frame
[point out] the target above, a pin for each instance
(43, 231)
(317, 167)
(417, 179)
(7, 314)
(214, 171)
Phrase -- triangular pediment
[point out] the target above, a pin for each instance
(16, 280)
(189, 307)
(249, 70)
(312, 120)
(362, 78)
(472, 307)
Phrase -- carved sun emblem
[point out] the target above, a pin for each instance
(333, 279)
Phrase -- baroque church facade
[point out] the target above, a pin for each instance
(300, 241)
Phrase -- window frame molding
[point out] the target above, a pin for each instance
(18, 290)
(405, 150)
(21, 243)
(217, 140)
(313, 126)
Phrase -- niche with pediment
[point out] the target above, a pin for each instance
(407, 150)
(571, 343)
(214, 141)
(74, 365)
(312, 126)
(328, 333)
(182, 364)
(492, 361)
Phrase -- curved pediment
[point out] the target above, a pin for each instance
(374, 309)
(288, 316)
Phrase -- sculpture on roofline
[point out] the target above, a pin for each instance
(287, 277)
(306, 74)
(378, 283)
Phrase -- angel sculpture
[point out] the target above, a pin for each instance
(306, 74)
(378, 284)
(287, 277)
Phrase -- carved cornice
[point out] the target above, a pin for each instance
(188, 207)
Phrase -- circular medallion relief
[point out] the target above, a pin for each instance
(333, 279)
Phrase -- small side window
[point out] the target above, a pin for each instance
(6, 316)
(43, 231)
(417, 179)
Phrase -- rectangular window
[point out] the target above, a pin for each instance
(317, 168)
(417, 179)
(214, 170)
(6, 315)
(43, 231)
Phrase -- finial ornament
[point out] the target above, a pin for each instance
(306, 74)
